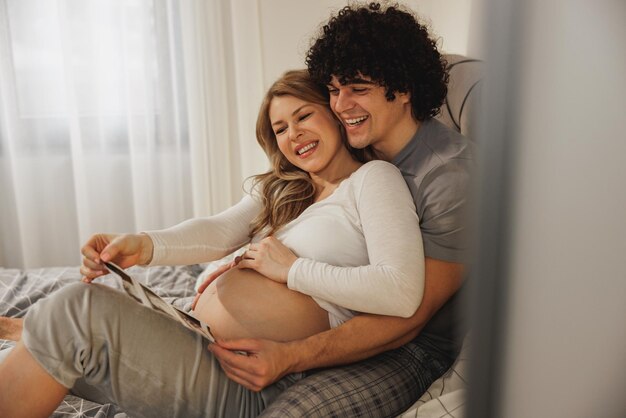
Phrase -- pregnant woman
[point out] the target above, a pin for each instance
(342, 234)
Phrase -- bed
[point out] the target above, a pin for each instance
(21, 289)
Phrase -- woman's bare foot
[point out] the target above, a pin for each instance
(11, 328)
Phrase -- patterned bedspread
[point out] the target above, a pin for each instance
(20, 289)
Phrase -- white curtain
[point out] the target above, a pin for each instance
(223, 73)
(115, 116)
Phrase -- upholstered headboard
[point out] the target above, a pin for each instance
(462, 101)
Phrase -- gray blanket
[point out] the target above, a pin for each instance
(21, 289)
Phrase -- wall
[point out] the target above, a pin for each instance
(566, 309)
(548, 334)
(287, 26)
(272, 36)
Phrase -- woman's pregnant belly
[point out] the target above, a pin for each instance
(245, 304)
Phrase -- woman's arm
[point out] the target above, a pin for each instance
(193, 241)
(205, 239)
(361, 337)
(393, 282)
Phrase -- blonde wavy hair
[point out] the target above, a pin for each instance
(286, 190)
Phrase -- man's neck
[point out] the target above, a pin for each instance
(388, 148)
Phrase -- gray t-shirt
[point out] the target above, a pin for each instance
(437, 165)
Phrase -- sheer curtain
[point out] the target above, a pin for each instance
(95, 122)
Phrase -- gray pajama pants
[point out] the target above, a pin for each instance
(108, 348)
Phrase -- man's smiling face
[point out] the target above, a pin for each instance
(368, 117)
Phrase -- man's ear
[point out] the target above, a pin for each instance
(404, 98)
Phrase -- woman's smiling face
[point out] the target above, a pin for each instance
(307, 134)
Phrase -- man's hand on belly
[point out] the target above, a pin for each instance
(266, 362)
(359, 338)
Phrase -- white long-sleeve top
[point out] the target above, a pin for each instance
(360, 249)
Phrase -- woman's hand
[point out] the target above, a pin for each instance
(211, 278)
(270, 258)
(124, 250)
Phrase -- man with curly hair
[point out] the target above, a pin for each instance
(386, 81)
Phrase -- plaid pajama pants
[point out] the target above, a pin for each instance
(383, 386)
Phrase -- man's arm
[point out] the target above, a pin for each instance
(359, 338)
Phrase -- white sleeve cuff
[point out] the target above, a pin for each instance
(159, 250)
(292, 276)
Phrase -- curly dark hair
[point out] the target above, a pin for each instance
(387, 44)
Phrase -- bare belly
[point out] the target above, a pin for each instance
(245, 304)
